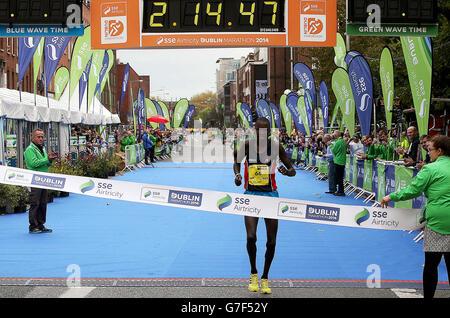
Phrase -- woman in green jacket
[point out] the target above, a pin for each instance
(434, 181)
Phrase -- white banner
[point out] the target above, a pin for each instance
(220, 202)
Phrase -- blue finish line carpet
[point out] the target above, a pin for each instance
(118, 239)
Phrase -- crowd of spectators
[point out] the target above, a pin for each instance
(94, 141)
(380, 146)
(409, 149)
(156, 142)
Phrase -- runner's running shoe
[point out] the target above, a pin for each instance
(254, 285)
(265, 287)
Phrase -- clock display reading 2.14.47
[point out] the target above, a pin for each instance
(213, 16)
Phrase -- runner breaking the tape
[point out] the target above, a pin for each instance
(261, 154)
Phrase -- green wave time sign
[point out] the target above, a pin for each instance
(393, 30)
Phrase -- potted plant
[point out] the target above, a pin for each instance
(22, 199)
(3, 198)
(13, 197)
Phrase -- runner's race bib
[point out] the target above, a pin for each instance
(258, 175)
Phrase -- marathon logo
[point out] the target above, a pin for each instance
(323, 213)
(290, 209)
(154, 194)
(20, 177)
(185, 198)
(47, 181)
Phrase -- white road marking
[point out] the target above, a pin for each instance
(406, 293)
(77, 292)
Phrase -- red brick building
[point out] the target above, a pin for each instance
(134, 82)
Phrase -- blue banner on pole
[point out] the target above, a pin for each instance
(27, 48)
(306, 79)
(263, 110)
(350, 55)
(141, 109)
(54, 48)
(360, 173)
(102, 72)
(417, 203)
(389, 175)
(188, 116)
(276, 115)
(375, 178)
(161, 113)
(126, 75)
(83, 80)
(308, 107)
(324, 100)
(362, 87)
(247, 113)
(291, 103)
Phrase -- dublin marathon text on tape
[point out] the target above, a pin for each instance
(221, 202)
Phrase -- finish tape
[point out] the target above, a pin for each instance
(221, 202)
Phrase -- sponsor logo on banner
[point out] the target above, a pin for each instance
(323, 213)
(362, 216)
(381, 218)
(224, 202)
(88, 186)
(237, 204)
(292, 210)
(114, 23)
(185, 198)
(47, 181)
(21, 177)
(102, 188)
(154, 194)
(313, 21)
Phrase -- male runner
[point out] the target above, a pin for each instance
(260, 155)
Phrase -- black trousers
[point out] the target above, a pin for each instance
(152, 154)
(331, 177)
(339, 177)
(38, 208)
(147, 155)
(430, 271)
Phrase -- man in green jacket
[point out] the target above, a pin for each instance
(339, 157)
(128, 139)
(372, 149)
(36, 159)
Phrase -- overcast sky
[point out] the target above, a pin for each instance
(179, 73)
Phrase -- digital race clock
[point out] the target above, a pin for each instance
(212, 23)
(213, 16)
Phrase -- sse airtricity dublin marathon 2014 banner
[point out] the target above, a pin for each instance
(220, 202)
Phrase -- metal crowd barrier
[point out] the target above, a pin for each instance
(362, 180)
